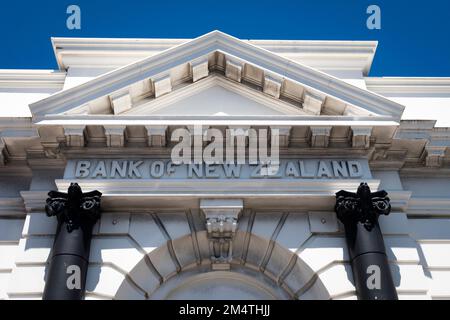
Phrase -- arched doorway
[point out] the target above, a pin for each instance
(245, 279)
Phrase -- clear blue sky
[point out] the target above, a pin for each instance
(414, 39)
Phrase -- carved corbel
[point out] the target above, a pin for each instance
(320, 137)
(233, 70)
(74, 136)
(361, 137)
(156, 136)
(162, 85)
(199, 69)
(221, 218)
(284, 133)
(313, 103)
(115, 136)
(272, 86)
(121, 101)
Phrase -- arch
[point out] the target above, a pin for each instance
(260, 269)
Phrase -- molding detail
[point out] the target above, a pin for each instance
(312, 103)
(361, 137)
(205, 45)
(284, 133)
(156, 136)
(320, 136)
(74, 136)
(233, 70)
(162, 85)
(115, 136)
(199, 69)
(437, 147)
(12, 207)
(272, 86)
(221, 224)
(121, 102)
(435, 154)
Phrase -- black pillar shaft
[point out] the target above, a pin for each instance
(370, 267)
(77, 213)
(359, 213)
(66, 273)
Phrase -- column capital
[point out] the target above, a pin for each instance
(74, 207)
(363, 206)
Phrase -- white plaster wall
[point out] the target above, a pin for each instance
(433, 239)
(121, 240)
(10, 234)
(423, 187)
(78, 75)
(432, 107)
(15, 104)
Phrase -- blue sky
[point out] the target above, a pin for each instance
(414, 39)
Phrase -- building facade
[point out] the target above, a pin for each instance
(107, 120)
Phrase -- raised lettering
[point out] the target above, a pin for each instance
(133, 169)
(323, 170)
(340, 168)
(100, 170)
(82, 169)
(116, 168)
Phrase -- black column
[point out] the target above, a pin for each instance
(359, 213)
(77, 212)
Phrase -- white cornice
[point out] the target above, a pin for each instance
(430, 207)
(114, 53)
(216, 42)
(50, 79)
(272, 120)
(12, 207)
(254, 187)
(413, 85)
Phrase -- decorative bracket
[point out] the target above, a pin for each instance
(320, 136)
(75, 136)
(363, 206)
(221, 224)
(115, 136)
(361, 137)
(74, 207)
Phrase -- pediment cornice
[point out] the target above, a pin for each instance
(234, 49)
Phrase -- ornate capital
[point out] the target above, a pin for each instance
(363, 206)
(74, 207)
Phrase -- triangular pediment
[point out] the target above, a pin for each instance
(214, 97)
(215, 75)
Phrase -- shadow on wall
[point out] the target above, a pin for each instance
(297, 277)
(433, 231)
